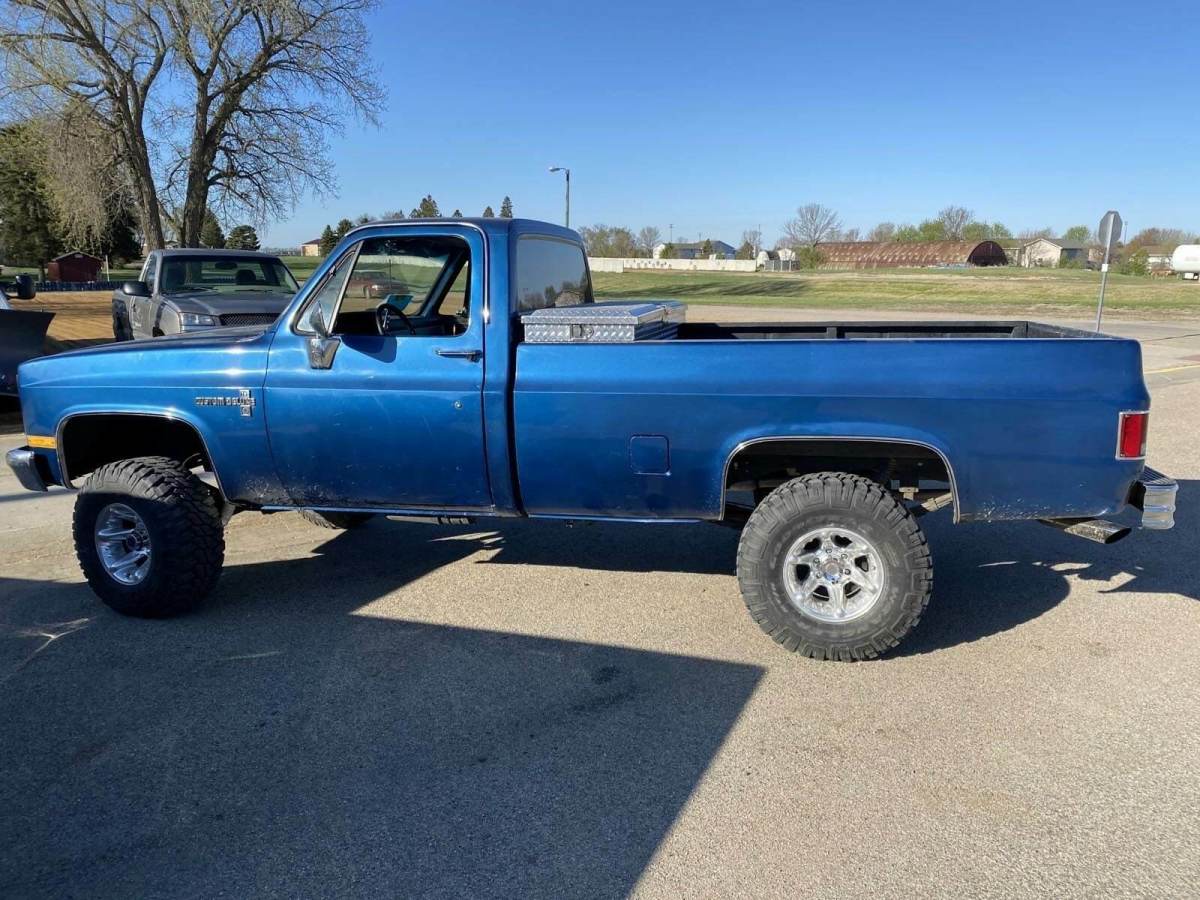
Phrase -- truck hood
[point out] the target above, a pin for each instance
(182, 357)
(212, 303)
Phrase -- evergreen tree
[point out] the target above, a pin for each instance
(668, 251)
(489, 213)
(427, 209)
(343, 228)
(29, 232)
(706, 250)
(242, 237)
(211, 234)
(327, 242)
(506, 208)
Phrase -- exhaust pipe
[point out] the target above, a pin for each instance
(1099, 530)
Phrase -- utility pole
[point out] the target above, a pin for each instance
(568, 174)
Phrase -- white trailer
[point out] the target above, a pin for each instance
(1186, 261)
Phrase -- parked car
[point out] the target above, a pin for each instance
(187, 290)
(824, 443)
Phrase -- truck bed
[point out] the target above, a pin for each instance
(1027, 425)
(774, 331)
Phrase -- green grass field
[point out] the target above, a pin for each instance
(995, 290)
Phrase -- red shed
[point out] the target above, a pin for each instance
(74, 266)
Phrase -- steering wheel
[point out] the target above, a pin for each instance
(384, 314)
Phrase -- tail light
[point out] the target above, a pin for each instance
(1131, 435)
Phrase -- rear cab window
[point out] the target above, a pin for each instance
(550, 272)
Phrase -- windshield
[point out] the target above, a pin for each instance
(224, 274)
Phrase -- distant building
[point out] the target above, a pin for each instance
(906, 254)
(311, 248)
(74, 266)
(1053, 252)
(1014, 249)
(779, 254)
(695, 250)
(1158, 257)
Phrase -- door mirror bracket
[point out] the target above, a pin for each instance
(322, 350)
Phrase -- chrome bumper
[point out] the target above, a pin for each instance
(1154, 494)
(23, 462)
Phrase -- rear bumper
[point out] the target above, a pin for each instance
(1154, 494)
(24, 463)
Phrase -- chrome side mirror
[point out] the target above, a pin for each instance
(317, 320)
(322, 347)
(321, 351)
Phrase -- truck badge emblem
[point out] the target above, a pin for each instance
(243, 401)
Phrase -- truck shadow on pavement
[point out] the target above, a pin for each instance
(992, 578)
(294, 745)
(288, 738)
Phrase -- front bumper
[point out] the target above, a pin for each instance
(24, 463)
(1154, 494)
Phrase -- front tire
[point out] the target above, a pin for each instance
(148, 536)
(832, 566)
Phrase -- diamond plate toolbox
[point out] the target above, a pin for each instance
(605, 323)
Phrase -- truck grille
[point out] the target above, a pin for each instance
(248, 319)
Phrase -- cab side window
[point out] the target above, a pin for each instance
(408, 286)
(325, 300)
(550, 272)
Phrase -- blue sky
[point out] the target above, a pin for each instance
(719, 117)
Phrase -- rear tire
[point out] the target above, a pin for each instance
(148, 536)
(832, 566)
(338, 521)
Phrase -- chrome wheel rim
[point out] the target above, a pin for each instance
(833, 574)
(123, 544)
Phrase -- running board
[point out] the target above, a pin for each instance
(1099, 530)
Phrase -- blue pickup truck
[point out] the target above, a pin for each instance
(400, 381)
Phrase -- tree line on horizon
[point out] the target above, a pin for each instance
(426, 209)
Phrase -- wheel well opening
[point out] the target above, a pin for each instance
(913, 471)
(91, 441)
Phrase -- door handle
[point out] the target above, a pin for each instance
(471, 355)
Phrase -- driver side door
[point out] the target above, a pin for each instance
(396, 420)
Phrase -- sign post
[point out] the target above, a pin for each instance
(1109, 233)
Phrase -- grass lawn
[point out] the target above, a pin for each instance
(302, 266)
(994, 290)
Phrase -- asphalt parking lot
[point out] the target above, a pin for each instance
(548, 710)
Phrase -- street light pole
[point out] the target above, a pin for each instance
(568, 174)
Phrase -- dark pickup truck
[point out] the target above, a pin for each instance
(409, 379)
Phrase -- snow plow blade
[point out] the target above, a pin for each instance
(22, 337)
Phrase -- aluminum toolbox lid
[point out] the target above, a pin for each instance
(619, 312)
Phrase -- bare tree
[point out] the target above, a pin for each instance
(813, 223)
(884, 231)
(1032, 234)
(647, 239)
(209, 103)
(954, 219)
(753, 237)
